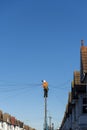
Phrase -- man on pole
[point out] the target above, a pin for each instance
(45, 86)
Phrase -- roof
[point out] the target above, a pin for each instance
(84, 59)
(70, 97)
(77, 78)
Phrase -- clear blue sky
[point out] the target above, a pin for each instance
(39, 39)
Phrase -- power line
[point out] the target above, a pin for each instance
(7, 87)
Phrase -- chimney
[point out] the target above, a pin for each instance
(82, 42)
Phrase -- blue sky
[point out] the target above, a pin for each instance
(39, 39)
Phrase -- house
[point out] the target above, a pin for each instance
(8, 122)
(75, 117)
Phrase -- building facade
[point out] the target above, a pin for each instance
(75, 117)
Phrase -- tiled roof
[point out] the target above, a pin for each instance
(70, 97)
(5, 117)
(84, 59)
(77, 78)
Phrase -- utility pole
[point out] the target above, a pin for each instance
(50, 127)
(45, 87)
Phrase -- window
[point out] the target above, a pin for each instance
(84, 100)
(84, 108)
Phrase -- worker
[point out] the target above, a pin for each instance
(45, 86)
